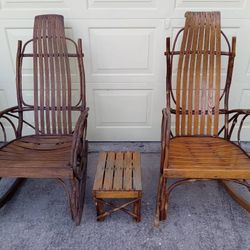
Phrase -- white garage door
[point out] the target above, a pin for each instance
(124, 41)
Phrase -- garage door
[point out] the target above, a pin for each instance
(123, 41)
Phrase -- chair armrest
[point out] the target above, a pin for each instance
(237, 115)
(165, 136)
(13, 117)
(240, 111)
(79, 142)
(6, 116)
(9, 110)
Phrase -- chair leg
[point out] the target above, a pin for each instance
(76, 202)
(162, 201)
(73, 200)
(11, 191)
(99, 209)
(78, 190)
(137, 210)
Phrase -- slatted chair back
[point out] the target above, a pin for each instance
(53, 104)
(198, 83)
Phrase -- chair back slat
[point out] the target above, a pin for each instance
(52, 76)
(218, 75)
(204, 73)
(62, 88)
(46, 76)
(185, 74)
(192, 76)
(198, 75)
(200, 24)
(38, 77)
(179, 80)
(35, 76)
(211, 81)
(68, 85)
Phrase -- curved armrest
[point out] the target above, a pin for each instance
(79, 142)
(9, 116)
(240, 111)
(9, 110)
(165, 136)
(5, 116)
(237, 114)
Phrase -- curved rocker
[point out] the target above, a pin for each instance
(236, 196)
(10, 192)
(195, 151)
(55, 148)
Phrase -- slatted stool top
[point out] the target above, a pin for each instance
(118, 175)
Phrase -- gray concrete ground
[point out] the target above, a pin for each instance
(200, 216)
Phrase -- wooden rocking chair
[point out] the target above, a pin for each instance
(196, 152)
(55, 149)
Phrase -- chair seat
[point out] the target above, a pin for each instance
(206, 157)
(37, 157)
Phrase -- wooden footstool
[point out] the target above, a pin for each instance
(118, 176)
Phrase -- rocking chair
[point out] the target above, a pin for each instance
(196, 151)
(56, 149)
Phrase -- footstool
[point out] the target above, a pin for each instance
(118, 176)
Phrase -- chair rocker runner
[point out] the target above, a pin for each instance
(55, 149)
(195, 151)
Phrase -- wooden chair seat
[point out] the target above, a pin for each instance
(37, 156)
(196, 157)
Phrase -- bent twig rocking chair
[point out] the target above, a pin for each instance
(56, 149)
(195, 151)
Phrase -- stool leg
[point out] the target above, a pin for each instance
(99, 209)
(137, 210)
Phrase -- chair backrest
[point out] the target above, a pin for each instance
(198, 81)
(52, 76)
